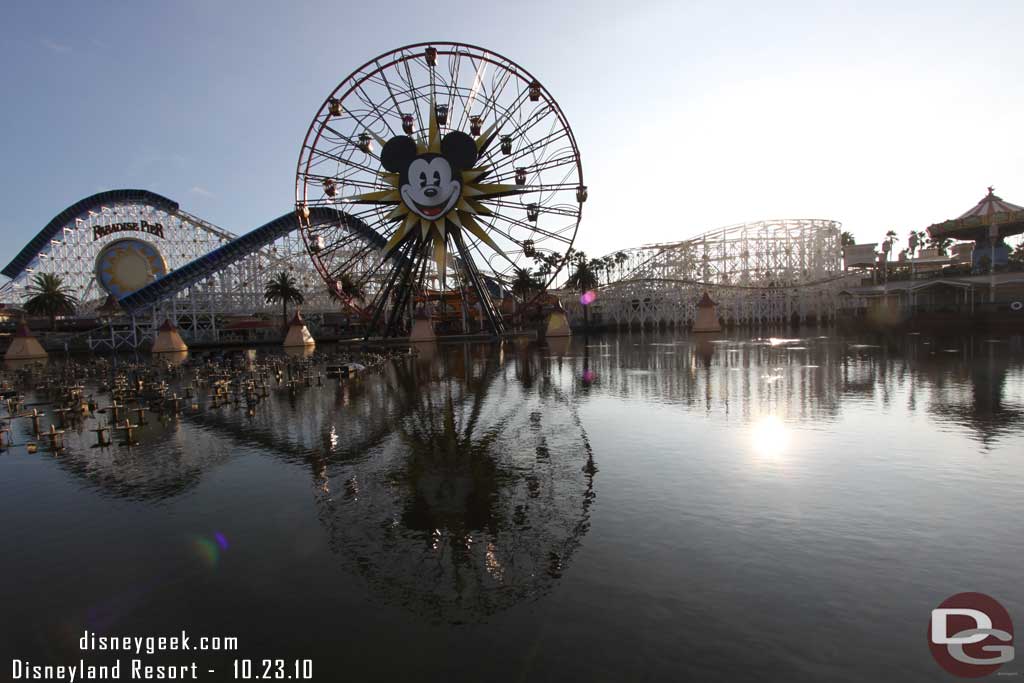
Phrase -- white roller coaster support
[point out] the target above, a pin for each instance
(763, 272)
(235, 290)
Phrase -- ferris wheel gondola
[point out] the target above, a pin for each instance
(460, 159)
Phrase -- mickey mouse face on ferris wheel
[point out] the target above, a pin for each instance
(430, 184)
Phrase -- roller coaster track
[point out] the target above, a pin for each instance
(236, 250)
(716, 285)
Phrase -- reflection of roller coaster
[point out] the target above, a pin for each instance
(766, 271)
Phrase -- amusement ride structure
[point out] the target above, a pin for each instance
(460, 159)
(427, 180)
(765, 271)
(133, 258)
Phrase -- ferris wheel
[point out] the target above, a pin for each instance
(461, 162)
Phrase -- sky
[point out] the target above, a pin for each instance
(688, 115)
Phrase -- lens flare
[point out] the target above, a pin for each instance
(210, 550)
(588, 298)
(207, 551)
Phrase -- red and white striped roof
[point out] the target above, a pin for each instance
(991, 204)
(990, 213)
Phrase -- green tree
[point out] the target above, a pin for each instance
(584, 278)
(620, 260)
(351, 288)
(50, 297)
(524, 283)
(1017, 255)
(941, 243)
(546, 264)
(915, 239)
(283, 288)
(890, 238)
(607, 266)
(847, 239)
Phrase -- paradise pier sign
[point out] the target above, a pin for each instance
(99, 231)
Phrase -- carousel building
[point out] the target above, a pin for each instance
(975, 283)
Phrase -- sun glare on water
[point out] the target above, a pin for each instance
(769, 438)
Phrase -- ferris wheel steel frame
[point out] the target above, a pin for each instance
(367, 107)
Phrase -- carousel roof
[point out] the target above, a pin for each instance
(975, 224)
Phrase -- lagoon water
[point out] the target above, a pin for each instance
(624, 507)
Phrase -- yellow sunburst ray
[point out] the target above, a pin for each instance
(380, 141)
(399, 211)
(470, 224)
(390, 178)
(440, 256)
(400, 232)
(476, 207)
(486, 136)
(472, 175)
(378, 197)
(454, 218)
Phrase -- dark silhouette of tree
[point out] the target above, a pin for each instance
(283, 288)
(50, 297)
(941, 243)
(525, 283)
(584, 278)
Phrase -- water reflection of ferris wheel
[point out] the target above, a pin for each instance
(478, 501)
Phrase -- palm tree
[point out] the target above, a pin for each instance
(915, 240)
(620, 259)
(524, 283)
(890, 238)
(941, 243)
(847, 239)
(584, 278)
(348, 290)
(351, 288)
(48, 296)
(546, 264)
(282, 288)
